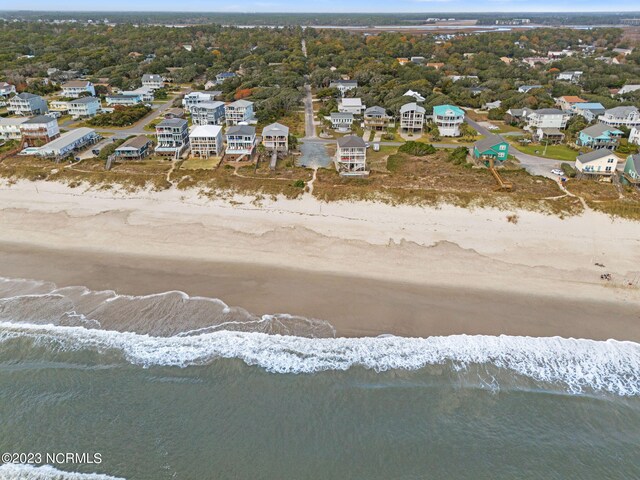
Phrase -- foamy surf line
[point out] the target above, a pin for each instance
(579, 365)
(10, 471)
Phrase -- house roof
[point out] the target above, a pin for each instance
(241, 103)
(241, 130)
(172, 122)
(212, 105)
(351, 102)
(594, 155)
(76, 84)
(590, 106)
(344, 82)
(152, 77)
(68, 138)
(41, 119)
(12, 120)
(375, 110)
(277, 128)
(488, 142)
(351, 141)
(447, 109)
(27, 95)
(549, 111)
(598, 129)
(341, 115)
(635, 159)
(86, 100)
(136, 142)
(407, 107)
(205, 131)
(572, 99)
(622, 111)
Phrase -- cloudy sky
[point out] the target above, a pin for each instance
(327, 5)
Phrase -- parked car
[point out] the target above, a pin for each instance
(96, 151)
(557, 171)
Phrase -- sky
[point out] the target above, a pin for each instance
(427, 6)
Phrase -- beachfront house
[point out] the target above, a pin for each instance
(412, 117)
(152, 81)
(27, 104)
(61, 106)
(341, 122)
(634, 136)
(241, 140)
(491, 149)
(599, 136)
(602, 162)
(135, 148)
(351, 156)
(10, 127)
(628, 116)
(78, 88)
(146, 93)
(376, 118)
(123, 100)
(275, 137)
(448, 118)
(172, 137)
(344, 85)
(631, 172)
(240, 111)
(207, 113)
(84, 107)
(546, 124)
(39, 130)
(68, 143)
(206, 141)
(590, 111)
(351, 105)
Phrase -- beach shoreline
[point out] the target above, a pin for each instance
(368, 269)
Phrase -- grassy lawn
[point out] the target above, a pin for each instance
(505, 127)
(553, 152)
(295, 122)
(197, 163)
(377, 161)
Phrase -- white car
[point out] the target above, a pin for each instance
(557, 171)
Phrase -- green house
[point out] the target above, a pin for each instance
(492, 147)
(631, 173)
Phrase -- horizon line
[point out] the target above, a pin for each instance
(379, 12)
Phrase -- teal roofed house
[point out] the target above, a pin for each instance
(599, 136)
(631, 173)
(492, 147)
(448, 118)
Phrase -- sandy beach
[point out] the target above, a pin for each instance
(366, 268)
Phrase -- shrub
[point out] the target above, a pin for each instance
(458, 155)
(417, 149)
(568, 170)
(299, 184)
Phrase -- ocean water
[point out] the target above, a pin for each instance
(190, 388)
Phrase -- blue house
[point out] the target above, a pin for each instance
(631, 173)
(590, 111)
(599, 136)
(221, 77)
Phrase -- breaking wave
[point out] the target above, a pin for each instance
(574, 364)
(10, 471)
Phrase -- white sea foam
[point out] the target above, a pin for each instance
(577, 365)
(10, 471)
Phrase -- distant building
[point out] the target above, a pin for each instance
(221, 77)
(412, 117)
(208, 113)
(599, 136)
(448, 118)
(152, 81)
(206, 141)
(77, 88)
(568, 101)
(344, 85)
(27, 104)
(628, 89)
(572, 76)
(621, 117)
(341, 122)
(241, 140)
(376, 118)
(351, 105)
(84, 107)
(634, 136)
(123, 100)
(61, 106)
(415, 95)
(135, 148)
(276, 137)
(6, 90)
(528, 88)
(590, 111)
(492, 105)
(38, 130)
(547, 118)
(195, 98)
(172, 137)
(597, 162)
(351, 156)
(146, 93)
(238, 112)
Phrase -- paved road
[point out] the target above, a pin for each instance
(309, 126)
